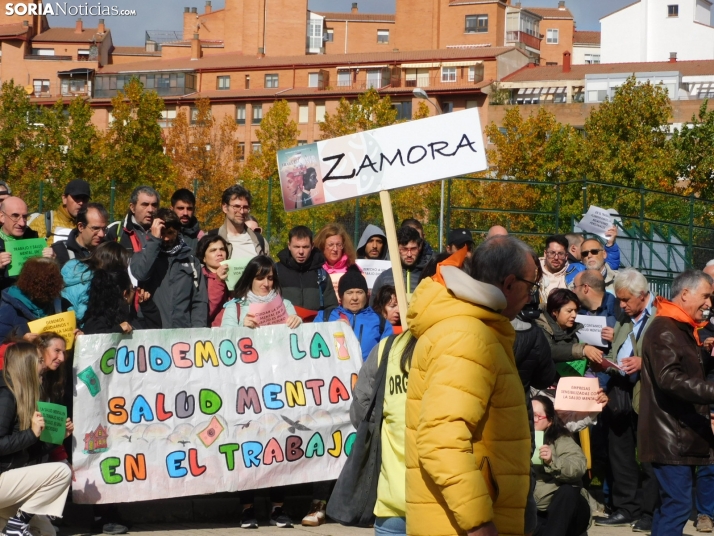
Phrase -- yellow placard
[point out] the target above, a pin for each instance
(63, 324)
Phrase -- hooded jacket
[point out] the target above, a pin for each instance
(128, 233)
(5, 279)
(467, 437)
(306, 285)
(369, 327)
(16, 310)
(191, 234)
(412, 276)
(369, 232)
(77, 280)
(63, 248)
(175, 282)
(564, 345)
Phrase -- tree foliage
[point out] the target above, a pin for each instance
(369, 111)
(693, 146)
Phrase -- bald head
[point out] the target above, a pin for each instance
(497, 230)
(13, 216)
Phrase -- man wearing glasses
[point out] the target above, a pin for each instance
(413, 261)
(13, 217)
(91, 231)
(594, 256)
(554, 264)
(242, 241)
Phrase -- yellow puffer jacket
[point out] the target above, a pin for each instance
(465, 411)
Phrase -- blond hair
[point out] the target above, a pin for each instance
(21, 377)
(335, 229)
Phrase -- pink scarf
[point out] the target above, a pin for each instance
(340, 267)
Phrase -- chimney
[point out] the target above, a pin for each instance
(194, 10)
(672, 57)
(100, 27)
(195, 47)
(354, 7)
(25, 23)
(566, 62)
(561, 5)
(78, 28)
(187, 10)
(208, 8)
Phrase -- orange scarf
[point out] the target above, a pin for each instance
(675, 312)
(457, 259)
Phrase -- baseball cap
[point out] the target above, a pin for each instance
(459, 237)
(5, 188)
(77, 187)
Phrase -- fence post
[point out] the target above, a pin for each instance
(642, 224)
(270, 203)
(112, 198)
(585, 195)
(447, 223)
(691, 230)
(195, 187)
(42, 191)
(356, 231)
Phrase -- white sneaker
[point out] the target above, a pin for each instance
(316, 516)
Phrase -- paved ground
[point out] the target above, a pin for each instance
(330, 529)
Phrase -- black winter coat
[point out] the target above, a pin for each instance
(62, 249)
(300, 282)
(15, 445)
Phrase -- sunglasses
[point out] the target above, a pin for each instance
(585, 254)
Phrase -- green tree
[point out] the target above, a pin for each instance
(367, 112)
(694, 152)
(83, 156)
(133, 147)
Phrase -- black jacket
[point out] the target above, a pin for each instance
(412, 276)
(306, 285)
(15, 445)
(6, 280)
(191, 234)
(62, 249)
(128, 233)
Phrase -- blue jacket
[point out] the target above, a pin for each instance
(366, 325)
(612, 260)
(14, 314)
(77, 279)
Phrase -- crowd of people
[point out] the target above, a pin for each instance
(491, 330)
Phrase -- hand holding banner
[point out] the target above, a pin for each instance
(596, 221)
(267, 314)
(577, 394)
(21, 250)
(236, 267)
(591, 332)
(63, 324)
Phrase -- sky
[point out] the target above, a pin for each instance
(168, 14)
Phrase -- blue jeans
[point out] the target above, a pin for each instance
(675, 491)
(705, 490)
(389, 526)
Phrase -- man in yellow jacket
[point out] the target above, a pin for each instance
(467, 438)
(55, 225)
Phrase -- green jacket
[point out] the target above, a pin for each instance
(567, 467)
(623, 328)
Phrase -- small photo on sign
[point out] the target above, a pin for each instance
(300, 177)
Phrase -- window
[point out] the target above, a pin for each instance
(329, 36)
(43, 51)
(240, 114)
(255, 147)
(257, 114)
(167, 118)
(41, 86)
(302, 113)
(302, 142)
(344, 78)
(472, 73)
(313, 79)
(223, 82)
(447, 107)
(83, 55)
(552, 36)
(247, 81)
(71, 86)
(448, 74)
(476, 24)
(417, 78)
(382, 36)
(673, 10)
(374, 78)
(404, 109)
(319, 112)
(271, 80)
(194, 115)
(314, 35)
(241, 151)
(471, 104)
(597, 95)
(592, 58)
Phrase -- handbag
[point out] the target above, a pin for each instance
(355, 494)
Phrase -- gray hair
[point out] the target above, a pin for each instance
(689, 280)
(710, 263)
(500, 256)
(632, 281)
(146, 190)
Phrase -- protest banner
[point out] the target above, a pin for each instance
(591, 332)
(381, 159)
(236, 267)
(55, 416)
(173, 413)
(21, 250)
(268, 314)
(372, 269)
(577, 394)
(596, 221)
(63, 324)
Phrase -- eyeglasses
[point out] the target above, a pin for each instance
(555, 255)
(241, 208)
(15, 217)
(539, 417)
(534, 286)
(585, 254)
(408, 250)
(96, 229)
(334, 246)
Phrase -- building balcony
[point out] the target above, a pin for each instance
(47, 58)
(522, 37)
(432, 82)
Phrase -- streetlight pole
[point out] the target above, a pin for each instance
(421, 94)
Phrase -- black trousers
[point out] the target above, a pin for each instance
(622, 443)
(277, 495)
(567, 515)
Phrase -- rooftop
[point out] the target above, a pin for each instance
(13, 30)
(134, 51)
(552, 12)
(586, 38)
(237, 61)
(578, 72)
(357, 17)
(70, 35)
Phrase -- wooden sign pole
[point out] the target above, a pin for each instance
(391, 232)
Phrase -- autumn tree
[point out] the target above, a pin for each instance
(369, 111)
(693, 146)
(133, 147)
(204, 150)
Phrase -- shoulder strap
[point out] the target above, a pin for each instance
(382, 324)
(261, 241)
(71, 254)
(48, 224)
(377, 401)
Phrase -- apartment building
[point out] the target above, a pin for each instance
(557, 25)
